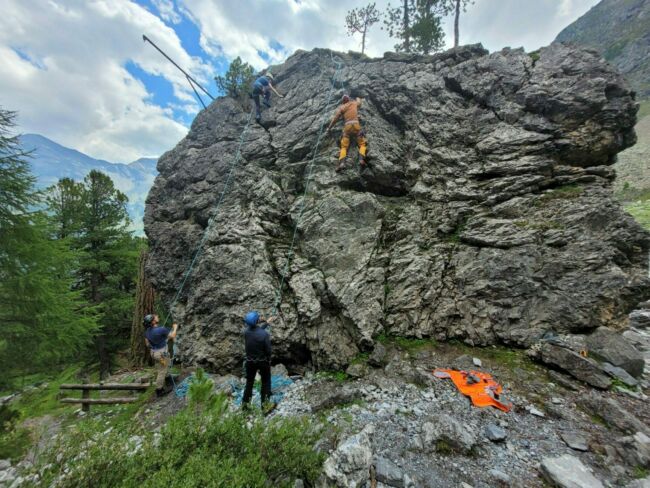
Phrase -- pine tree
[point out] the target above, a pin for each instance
(397, 21)
(426, 31)
(359, 20)
(65, 203)
(43, 320)
(417, 24)
(237, 80)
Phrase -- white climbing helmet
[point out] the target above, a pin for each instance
(269, 76)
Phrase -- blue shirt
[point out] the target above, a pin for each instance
(258, 343)
(262, 80)
(157, 337)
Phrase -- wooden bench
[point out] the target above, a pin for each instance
(86, 388)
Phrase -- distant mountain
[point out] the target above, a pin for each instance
(51, 161)
(620, 31)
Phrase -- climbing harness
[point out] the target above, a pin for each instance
(339, 62)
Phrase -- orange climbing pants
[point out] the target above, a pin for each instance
(349, 130)
(483, 393)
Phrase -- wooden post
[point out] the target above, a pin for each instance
(85, 395)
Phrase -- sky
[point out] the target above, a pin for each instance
(78, 72)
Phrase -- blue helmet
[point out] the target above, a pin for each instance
(252, 318)
(148, 320)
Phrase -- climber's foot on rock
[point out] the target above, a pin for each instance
(340, 167)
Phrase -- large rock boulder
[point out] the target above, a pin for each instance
(349, 465)
(568, 472)
(615, 349)
(486, 215)
(582, 368)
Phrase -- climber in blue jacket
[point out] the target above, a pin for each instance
(258, 356)
(263, 86)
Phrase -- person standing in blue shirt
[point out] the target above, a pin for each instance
(156, 338)
(263, 86)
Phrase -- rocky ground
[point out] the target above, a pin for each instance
(390, 423)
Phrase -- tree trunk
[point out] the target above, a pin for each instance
(104, 357)
(144, 304)
(363, 38)
(456, 36)
(407, 34)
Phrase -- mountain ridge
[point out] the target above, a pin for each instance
(51, 161)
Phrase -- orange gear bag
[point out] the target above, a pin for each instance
(479, 386)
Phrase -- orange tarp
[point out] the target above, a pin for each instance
(479, 386)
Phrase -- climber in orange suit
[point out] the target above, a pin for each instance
(348, 110)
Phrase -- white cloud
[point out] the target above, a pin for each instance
(82, 96)
(245, 27)
(167, 11)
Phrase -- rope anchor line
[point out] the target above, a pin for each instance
(290, 253)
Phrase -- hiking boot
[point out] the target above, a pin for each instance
(340, 167)
(363, 163)
(160, 392)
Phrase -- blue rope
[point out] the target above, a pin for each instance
(204, 238)
(278, 299)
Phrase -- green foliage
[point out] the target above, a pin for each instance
(43, 318)
(641, 212)
(360, 358)
(640, 472)
(212, 447)
(340, 376)
(237, 80)
(201, 390)
(534, 55)
(8, 418)
(15, 444)
(92, 219)
(359, 20)
(417, 24)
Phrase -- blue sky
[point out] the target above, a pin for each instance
(78, 72)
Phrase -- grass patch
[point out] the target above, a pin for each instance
(562, 193)
(339, 376)
(640, 473)
(15, 444)
(203, 445)
(640, 211)
(620, 384)
(534, 56)
(361, 358)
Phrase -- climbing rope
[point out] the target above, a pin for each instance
(212, 219)
(339, 62)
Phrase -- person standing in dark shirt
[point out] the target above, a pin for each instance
(258, 356)
(156, 338)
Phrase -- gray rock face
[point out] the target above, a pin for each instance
(349, 465)
(612, 413)
(575, 441)
(486, 214)
(495, 433)
(446, 433)
(615, 349)
(387, 472)
(584, 369)
(568, 472)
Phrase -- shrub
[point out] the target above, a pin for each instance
(203, 445)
